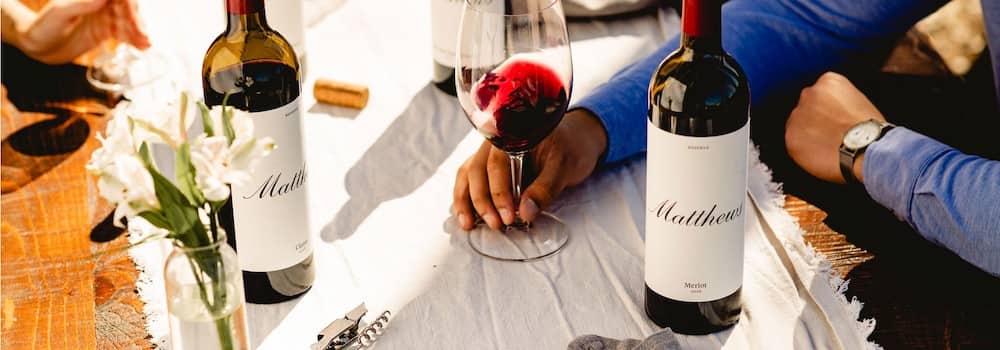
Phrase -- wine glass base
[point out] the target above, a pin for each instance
(537, 240)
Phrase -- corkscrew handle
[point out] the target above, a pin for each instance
(367, 335)
(351, 332)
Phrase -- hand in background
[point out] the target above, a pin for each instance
(66, 29)
(565, 158)
(816, 127)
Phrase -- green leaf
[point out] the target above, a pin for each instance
(149, 127)
(227, 120)
(201, 234)
(179, 213)
(206, 119)
(184, 173)
(227, 124)
(214, 207)
(147, 159)
(157, 219)
(183, 115)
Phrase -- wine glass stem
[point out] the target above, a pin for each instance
(516, 170)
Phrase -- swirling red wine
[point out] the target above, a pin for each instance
(266, 219)
(696, 183)
(518, 104)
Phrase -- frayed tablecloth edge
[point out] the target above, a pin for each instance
(792, 237)
(148, 259)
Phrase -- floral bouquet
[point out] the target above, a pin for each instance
(185, 207)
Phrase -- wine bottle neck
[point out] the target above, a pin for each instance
(245, 15)
(701, 25)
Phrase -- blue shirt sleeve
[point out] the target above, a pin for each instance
(782, 45)
(950, 198)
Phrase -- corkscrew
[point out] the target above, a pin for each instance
(351, 332)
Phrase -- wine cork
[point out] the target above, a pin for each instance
(340, 93)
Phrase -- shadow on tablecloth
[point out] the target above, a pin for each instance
(407, 154)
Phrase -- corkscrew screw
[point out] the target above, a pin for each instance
(351, 332)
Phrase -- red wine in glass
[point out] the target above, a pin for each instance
(518, 104)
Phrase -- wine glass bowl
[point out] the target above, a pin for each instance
(514, 78)
(125, 68)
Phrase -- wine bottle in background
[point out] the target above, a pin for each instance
(696, 182)
(267, 218)
(445, 17)
(286, 17)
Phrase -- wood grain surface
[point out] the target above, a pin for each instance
(843, 255)
(59, 290)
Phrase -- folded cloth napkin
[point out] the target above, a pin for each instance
(662, 340)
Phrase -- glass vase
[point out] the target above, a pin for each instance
(204, 288)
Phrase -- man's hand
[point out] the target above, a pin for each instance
(565, 158)
(816, 127)
(66, 29)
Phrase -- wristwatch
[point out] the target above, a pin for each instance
(856, 140)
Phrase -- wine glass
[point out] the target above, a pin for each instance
(513, 76)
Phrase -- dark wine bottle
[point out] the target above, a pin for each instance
(698, 137)
(445, 17)
(267, 218)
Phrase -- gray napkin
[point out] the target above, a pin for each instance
(662, 340)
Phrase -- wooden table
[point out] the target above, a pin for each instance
(59, 290)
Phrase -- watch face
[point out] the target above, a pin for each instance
(862, 134)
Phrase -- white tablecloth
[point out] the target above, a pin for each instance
(380, 191)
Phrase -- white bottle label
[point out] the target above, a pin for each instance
(270, 211)
(695, 213)
(445, 17)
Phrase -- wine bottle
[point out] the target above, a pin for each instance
(267, 218)
(697, 143)
(445, 17)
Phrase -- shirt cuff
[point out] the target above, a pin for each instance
(894, 163)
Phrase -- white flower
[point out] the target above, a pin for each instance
(122, 178)
(117, 140)
(159, 122)
(247, 150)
(127, 183)
(218, 163)
(212, 163)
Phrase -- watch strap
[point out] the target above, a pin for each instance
(849, 156)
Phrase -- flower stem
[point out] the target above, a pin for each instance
(213, 225)
(217, 302)
(223, 326)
